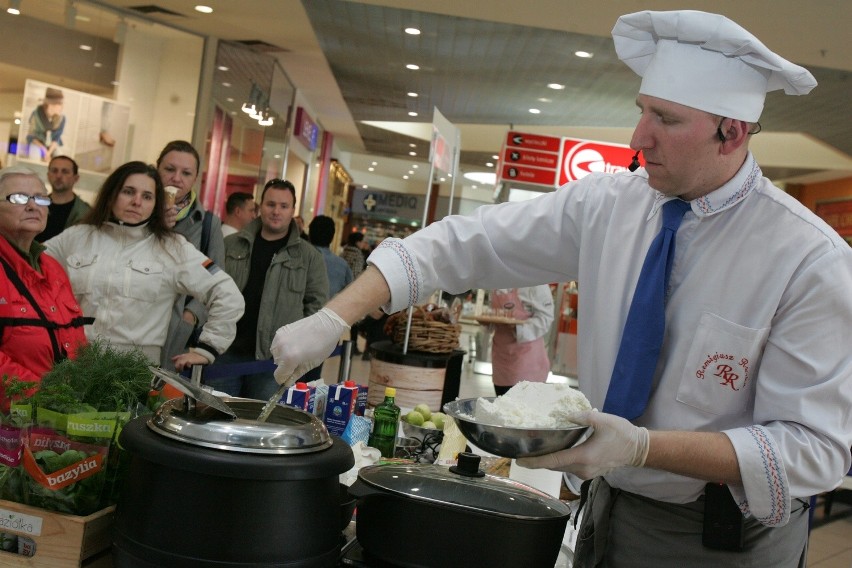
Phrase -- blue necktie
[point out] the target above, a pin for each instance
(633, 374)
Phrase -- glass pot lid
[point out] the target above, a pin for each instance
(483, 492)
(288, 430)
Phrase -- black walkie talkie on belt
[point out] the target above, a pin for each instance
(723, 520)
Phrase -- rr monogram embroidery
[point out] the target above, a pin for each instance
(722, 366)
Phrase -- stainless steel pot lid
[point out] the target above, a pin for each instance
(483, 492)
(287, 431)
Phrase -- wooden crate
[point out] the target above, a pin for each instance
(61, 541)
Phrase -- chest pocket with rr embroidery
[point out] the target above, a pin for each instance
(721, 366)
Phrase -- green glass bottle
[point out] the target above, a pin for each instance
(385, 425)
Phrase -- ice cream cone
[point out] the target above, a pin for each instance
(171, 192)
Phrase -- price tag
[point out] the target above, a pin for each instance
(19, 523)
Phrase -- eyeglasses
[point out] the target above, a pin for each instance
(23, 198)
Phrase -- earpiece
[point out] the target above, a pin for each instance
(719, 132)
(634, 164)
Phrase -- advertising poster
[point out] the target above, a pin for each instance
(57, 121)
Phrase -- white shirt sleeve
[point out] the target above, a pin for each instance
(537, 300)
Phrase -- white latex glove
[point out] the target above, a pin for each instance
(302, 345)
(614, 443)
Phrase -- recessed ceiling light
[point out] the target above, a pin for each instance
(443, 179)
(14, 7)
(404, 177)
(277, 156)
(543, 100)
(555, 86)
(204, 9)
(412, 66)
(374, 164)
(584, 54)
(222, 68)
(85, 47)
(489, 164)
(412, 113)
(230, 99)
(81, 18)
(98, 64)
(486, 178)
(413, 94)
(17, 121)
(415, 166)
(371, 169)
(412, 31)
(535, 111)
(411, 172)
(495, 157)
(412, 153)
(226, 84)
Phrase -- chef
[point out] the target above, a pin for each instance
(744, 412)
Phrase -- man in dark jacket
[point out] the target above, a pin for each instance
(66, 208)
(283, 279)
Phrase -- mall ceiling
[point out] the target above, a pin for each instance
(484, 65)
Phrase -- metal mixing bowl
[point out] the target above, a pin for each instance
(507, 441)
(419, 432)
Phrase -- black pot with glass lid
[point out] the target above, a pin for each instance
(208, 489)
(431, 516)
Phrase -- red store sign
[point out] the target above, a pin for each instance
(552, 161)
(306, 130)
(583, 157)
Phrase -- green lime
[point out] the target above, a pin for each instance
(424, 410)
(414, 418)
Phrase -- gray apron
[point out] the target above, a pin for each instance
(624, 530)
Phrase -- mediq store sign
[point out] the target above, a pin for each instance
(403, 207)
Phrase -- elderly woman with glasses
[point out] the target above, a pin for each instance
(40, 321)
(128, 268)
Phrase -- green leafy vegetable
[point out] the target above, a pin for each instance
(100, 378)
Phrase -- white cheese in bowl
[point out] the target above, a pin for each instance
(533, 405)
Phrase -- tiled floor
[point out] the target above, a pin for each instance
(830, 544)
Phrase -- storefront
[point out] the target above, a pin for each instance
(128, 85)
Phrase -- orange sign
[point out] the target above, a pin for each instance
(838, 214)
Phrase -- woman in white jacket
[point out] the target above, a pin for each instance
(127, 267)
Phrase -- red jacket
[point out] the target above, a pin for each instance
(26, 349)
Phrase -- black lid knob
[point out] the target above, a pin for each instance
(468, 465)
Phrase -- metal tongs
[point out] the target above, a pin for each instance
(193, 393)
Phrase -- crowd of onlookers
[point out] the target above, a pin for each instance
(146, 267)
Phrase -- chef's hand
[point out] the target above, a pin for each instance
(302, 345)
(614, 443)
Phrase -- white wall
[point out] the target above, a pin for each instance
(158, 77)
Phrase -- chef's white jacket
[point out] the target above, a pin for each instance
(758, 317)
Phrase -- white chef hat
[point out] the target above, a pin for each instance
(705, 61)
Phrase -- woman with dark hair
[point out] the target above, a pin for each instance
(127, 267)
(178, 166)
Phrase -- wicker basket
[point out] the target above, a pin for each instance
(428, 333)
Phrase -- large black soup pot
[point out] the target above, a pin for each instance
(207, 490)
(431, 516)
